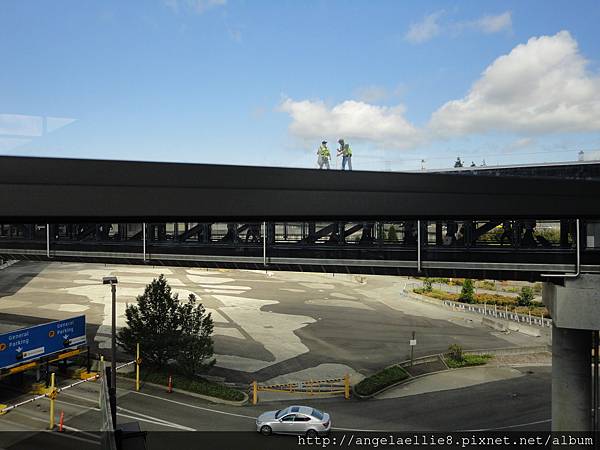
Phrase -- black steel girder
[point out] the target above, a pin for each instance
(71, 190)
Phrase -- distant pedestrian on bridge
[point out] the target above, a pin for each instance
(323, 155)
(346, 153)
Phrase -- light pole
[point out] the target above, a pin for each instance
(113, 360)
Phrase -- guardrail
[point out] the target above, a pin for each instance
(483, 309)
(490, 311)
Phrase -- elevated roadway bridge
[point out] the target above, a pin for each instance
(430, 224)
(495, 226)
(509, 249)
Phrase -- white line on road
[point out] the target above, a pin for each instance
(138, 416)
(85, 433)
(77, 405)
(162, 424)
(361, 430)
(157, 420)
(513, 426)
(194, 406)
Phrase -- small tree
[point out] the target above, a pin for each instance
(455, 352)
(168, 329)
(153, 322)
(196, 346)
(525, 298)
(392, 234)
(427, 285)
(467, 293)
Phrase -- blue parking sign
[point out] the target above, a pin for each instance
(28, 344)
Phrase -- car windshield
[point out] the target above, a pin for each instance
(318, 414)
(281, 413)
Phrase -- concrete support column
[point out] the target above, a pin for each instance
(575, 311)
(571, 379)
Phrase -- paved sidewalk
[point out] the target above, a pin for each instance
(451, 379)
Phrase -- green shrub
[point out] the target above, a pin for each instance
(197, 384)
(437, 294)
(494, 299)
(427, 285)
(455, 352)
(487, 284)
(467, 293)
(380, 380)
(440, 280)
(525, 297)
(468, 360)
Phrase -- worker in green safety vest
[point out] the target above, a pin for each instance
(346, 153)
(323, 155)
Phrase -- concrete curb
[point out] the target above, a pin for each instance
(195, 394)
(490, 321)
(425, 359)
(8, 263)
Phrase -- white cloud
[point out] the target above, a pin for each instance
(425, 30)
(431, 27)
(539, 87)
(350, 119)
(521, 143)
(494, 24)
(197, 6)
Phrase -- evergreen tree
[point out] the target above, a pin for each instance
(467, 293)
(168, 329)
(196, 351)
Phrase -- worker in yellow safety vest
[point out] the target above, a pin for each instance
(323, 155)
(346, 153)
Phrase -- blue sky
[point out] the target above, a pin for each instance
(262, 82)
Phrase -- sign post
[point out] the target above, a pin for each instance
(412, 343)
(52, 396)
(137, 367)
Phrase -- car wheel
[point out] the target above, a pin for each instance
(266, 430)
(312, 434)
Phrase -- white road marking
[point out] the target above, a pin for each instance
(66, 427)
(158, 420)
(138, 416)
(162, 424)
(361, 430)
(78, 405)
(195, 406)
(513, 426)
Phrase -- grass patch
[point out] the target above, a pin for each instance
(467, 360)
(198, 385)
(380, 380)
